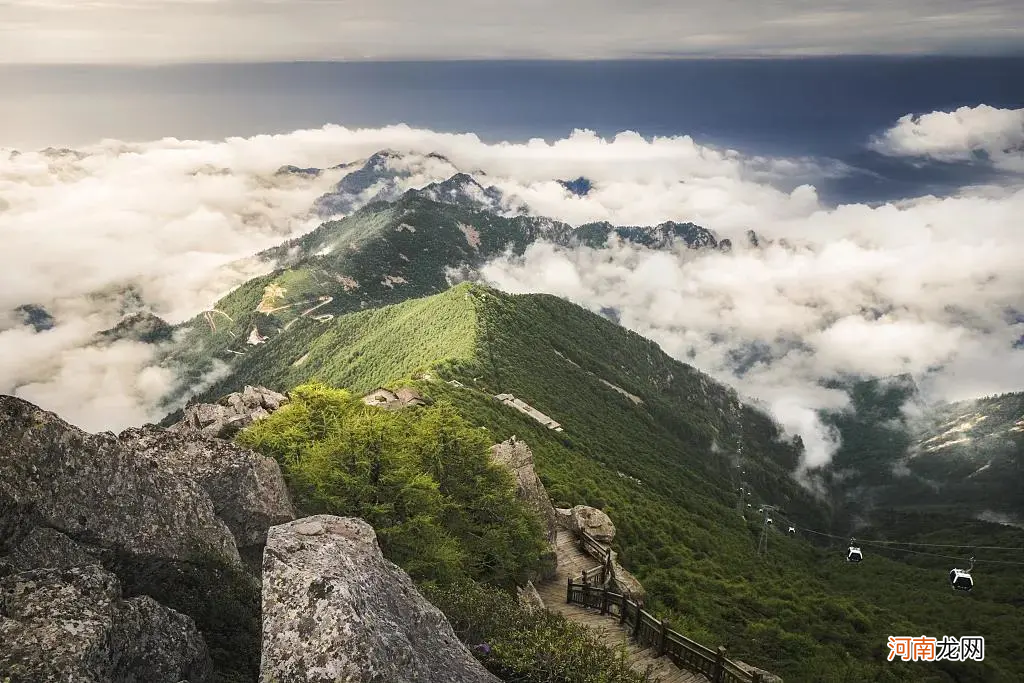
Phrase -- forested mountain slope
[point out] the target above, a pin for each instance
(652, 441)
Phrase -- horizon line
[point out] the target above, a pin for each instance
(656, 57)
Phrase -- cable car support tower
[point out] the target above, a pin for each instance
(762, 544)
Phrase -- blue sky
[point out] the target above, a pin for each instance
(162, 31)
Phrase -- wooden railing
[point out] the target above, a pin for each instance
(644, 627)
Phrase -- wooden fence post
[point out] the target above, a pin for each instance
(623, 602)
(568, 589)
(604, 601)
(716, 677)
(662, 637)
(639, 618)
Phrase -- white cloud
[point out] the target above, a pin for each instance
(137, 31)
(981, 133)
(919, 286)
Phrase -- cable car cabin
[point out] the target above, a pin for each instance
(791, 530)
(854, 554)
(961, 580)
(769, 520)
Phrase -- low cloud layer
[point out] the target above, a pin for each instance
(928, 286)
(981, 134)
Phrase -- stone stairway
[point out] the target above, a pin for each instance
(571, 563)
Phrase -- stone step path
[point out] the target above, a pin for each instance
(572, 562)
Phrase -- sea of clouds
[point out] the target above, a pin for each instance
(929, 286)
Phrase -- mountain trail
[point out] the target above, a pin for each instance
(572, 562)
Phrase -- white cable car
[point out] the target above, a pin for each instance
(769, 520)
(960, 579)
(853, 554)
(791, 530)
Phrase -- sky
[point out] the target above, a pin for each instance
(927, 285)
(177, 31)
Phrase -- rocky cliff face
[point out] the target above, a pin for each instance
(335, 610)
(121, 559)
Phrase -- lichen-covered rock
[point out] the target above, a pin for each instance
(98, 492)
(73, 625)
(517, 457)
(594, 522)
(42, 548)
(230, 414)
(247, 489)
(335, 610)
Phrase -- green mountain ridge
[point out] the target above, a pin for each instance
(385, 253)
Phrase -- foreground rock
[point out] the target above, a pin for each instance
(73, 625)
(592, 521)
(335, 610)
(230, 414)
(167, 513)
(95, 490)
(247, 489)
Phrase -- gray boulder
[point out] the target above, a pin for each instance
(594, 522)
(73, 625)
(230, 414)
(623, 581)
(247, 489)
(100, 493)
(335, 610)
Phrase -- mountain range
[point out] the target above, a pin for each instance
(386, 296)
(397, 242)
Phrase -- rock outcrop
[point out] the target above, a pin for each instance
(594, 522)
(335, 610)
(230, 414)
(517, 457)
(247, 490)
(74, 625)
(404, 397)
